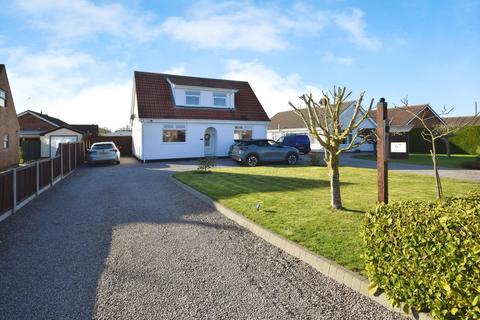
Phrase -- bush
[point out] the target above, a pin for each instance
(205, 164)
(472, 164)
(427, 254)
(466, 140)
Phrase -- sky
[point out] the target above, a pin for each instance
(75, 59)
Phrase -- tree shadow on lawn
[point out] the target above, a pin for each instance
(222, 185)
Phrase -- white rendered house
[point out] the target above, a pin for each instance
(176, 117)
(288, 122)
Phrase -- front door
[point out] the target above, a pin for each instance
(209, 142)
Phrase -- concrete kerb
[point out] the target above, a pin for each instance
(327, 267)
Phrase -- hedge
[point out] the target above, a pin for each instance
(427, 255)
(466, 140)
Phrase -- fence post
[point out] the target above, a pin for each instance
(75, 148)
(14, 186)
(51, 172)
(69, 157)
(37, 177)
(61, 158)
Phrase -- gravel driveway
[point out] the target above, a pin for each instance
(123, 242)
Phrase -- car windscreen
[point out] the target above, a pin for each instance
(102, 146)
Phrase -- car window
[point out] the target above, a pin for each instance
(303, 139)
(260, 143)
(272, 143)
(103, 146)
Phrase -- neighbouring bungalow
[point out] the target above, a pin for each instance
(9, 127)
(41, 134)
(176, 116)
(288, 122)
(403, 121)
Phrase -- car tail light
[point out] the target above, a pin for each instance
(114, 150)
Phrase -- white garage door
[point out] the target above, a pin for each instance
(56, 140)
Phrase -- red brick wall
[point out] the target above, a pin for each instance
(8, 125)
(30, 122)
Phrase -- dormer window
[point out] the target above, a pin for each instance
(3, 99)
(219, 99)
(192, 97)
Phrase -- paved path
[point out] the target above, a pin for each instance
(123, 242)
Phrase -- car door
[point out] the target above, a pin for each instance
(275, 151)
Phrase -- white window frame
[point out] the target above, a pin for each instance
(3, 99)
(192, 94)
(174, 127)
(242, 128)
(6, 141)
(220, 96)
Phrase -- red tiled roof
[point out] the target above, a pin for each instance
(155, 100)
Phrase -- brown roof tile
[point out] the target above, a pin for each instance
(155, 100)
(399, 116)
(462, 121)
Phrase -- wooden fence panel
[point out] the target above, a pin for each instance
(57, 167)
(26, 182)
(44, 174)
(66, 159)
(6, 191)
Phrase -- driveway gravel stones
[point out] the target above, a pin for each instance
(124, 242)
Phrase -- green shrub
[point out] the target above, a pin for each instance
(427, 254)
(205, 164)
(467, 139)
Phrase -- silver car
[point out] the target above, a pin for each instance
(103, 152)
(252, 152)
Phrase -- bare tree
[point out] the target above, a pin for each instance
(323, 121)
(433, 132)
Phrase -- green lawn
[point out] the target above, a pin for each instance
(295, 202)
(453, 161)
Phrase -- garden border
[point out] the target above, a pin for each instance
(327, 267)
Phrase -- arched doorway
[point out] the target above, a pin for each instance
(210, 142)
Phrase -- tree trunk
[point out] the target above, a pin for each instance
(332, 161)
(447, 146)
(438, 183)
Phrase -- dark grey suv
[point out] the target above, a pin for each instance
(252, 152)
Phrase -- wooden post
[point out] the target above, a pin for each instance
(383, 150)
(37, 174)
(51, 172)
(75, 149)
(61, 158)
(14, 187)
(69, 157)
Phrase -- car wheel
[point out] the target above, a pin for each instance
(252, 160)
(292, 158)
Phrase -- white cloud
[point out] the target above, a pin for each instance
(63, 84)
(332, 58)
(241, 25)
(273, 90)
(180, 69)
(353, 23)
(76, 19)
(228, 27)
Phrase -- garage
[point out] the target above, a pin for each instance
(51, 139)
